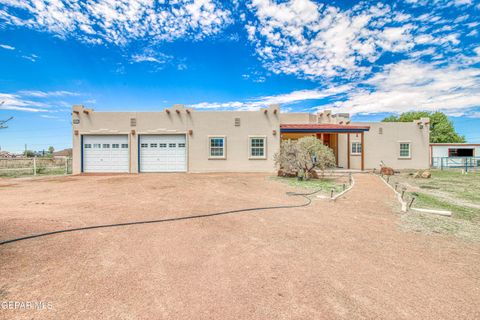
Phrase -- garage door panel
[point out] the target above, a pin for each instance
(109, 153)
(163, 153)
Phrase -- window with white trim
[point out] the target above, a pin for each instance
(153, 145)
(356, 148)
(115, 145)
(216, 147)
(144, 145)
(181, 145)
(172, 145)
(124, 145)
(162, 145)
(106, 145)
(97, 145)
(88, 145)
(258, 147)
(405, 150)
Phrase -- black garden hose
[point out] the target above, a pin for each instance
(305, 195)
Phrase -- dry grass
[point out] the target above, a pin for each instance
(446, 190)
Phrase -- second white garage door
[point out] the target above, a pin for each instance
(163, 153)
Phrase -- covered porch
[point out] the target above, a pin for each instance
(329, 135)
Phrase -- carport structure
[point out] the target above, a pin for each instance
(329, 135)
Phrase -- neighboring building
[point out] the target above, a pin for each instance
(454, 154)
(181, 139)
(63, 153)
(9, 155)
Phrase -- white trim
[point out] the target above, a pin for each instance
(409, 150)
(264, 147)
(356, 153)
(209, 138)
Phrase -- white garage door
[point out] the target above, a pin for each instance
(105, 153)
(163, 153)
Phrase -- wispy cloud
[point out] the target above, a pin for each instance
(36, 101)
(45, 94)
(7, 47)
(19, 103)
(31, 57)
(151, 56)
(287, 98)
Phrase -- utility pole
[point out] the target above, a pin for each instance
(2, 122)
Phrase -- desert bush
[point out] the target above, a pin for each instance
(303, 156)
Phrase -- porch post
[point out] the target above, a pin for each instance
(363, 152)
(348, 150)
(336, 149)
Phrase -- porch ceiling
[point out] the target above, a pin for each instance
(323, 128)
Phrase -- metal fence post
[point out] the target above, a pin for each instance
(35, 166)
(66, 166)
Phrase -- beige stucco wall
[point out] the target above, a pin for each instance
(202, 124)
(297, 118)
(385, 146)
(266, 122)
(378, 147)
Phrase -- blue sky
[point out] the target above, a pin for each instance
(369, 58)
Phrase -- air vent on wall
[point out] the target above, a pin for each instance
(237, 122)
(133, 122)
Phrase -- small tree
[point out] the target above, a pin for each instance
(303, 156)
(51, 150)
(29, 153)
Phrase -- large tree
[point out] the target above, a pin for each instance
(301, 157)
(441, 128)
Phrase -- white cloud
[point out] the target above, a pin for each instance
(7, 47)
(287, 98)
(320, 41)
(118, 21)
(314, 40)
(149, 55)
(408, 86)
(35, 101)
(45, 94)
(31, 57)
(17, 102)
(475, 115)
(46, 116)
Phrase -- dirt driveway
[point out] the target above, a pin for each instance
(343, 260)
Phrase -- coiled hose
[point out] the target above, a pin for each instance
(207, 215)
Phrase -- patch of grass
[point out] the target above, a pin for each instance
(428, 223)
(428, 201)
(463, 186)
(29, 172)
(325, 184)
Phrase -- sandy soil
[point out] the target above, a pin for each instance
(332, 260)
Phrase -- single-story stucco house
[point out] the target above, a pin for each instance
(180, 139)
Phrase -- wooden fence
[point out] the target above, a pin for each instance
(34, 166)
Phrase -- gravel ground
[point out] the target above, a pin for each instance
(347, 259)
